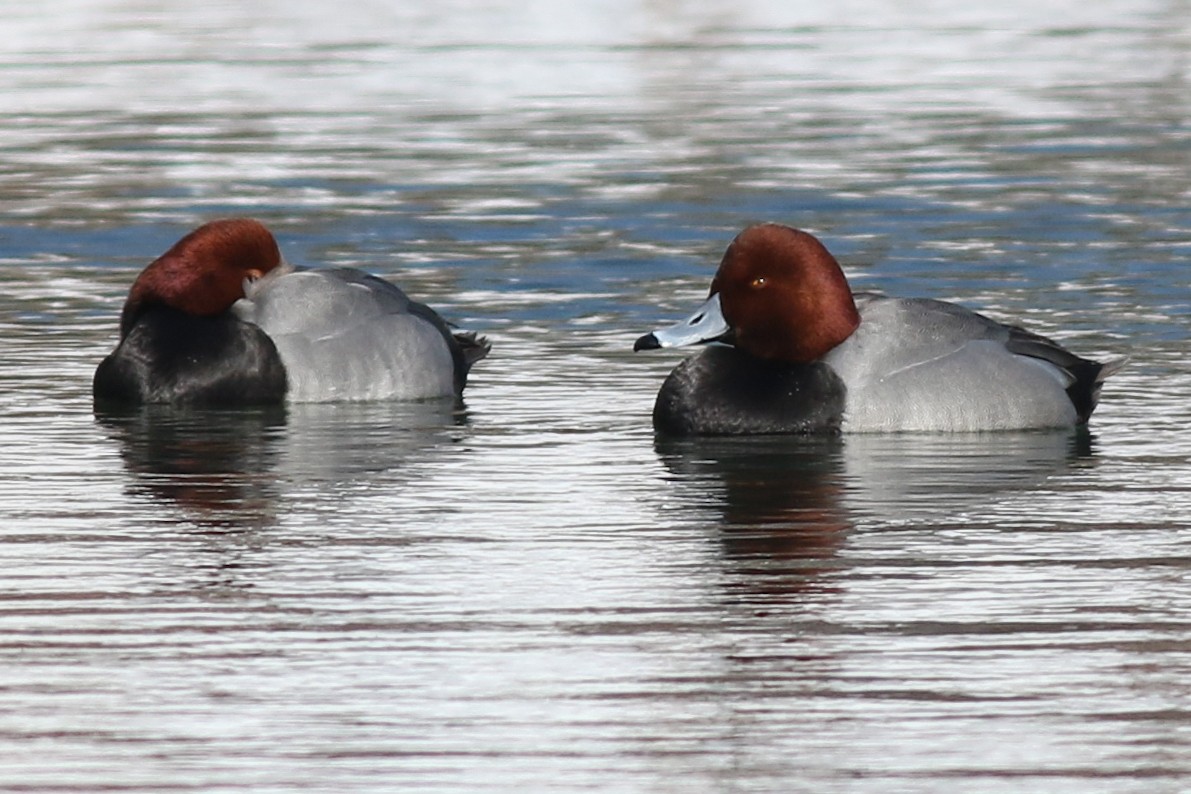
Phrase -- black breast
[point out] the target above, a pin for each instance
(172, 357)
(723, 391)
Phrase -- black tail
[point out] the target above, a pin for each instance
(1086, 376)
(474, 347)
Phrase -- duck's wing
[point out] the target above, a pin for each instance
(917, 363)
(361, 331)
(1085, 377)
(391, 298)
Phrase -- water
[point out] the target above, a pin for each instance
(535, 593)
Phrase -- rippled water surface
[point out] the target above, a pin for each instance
(534, 593)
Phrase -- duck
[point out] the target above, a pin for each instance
(790, 348)
(221, 319)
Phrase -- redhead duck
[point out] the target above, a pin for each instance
(221, 319)
(805, 354)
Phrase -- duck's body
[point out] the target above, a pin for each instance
(275, 333)
(347, 335)
(820, 359)
(919, 364)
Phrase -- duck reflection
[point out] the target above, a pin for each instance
(786, 506)
(898, 479)
(231, 469)
(215, 464)
(779, 501)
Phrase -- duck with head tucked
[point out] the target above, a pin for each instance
(221, 319)
(802, 353)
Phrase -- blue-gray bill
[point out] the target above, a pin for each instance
(707, 324)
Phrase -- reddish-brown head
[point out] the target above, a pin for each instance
(204, 272)
(784, 294)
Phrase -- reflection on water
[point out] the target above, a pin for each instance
(229, 468)
(535, 594)
(782, 515)
(786, 506)
(909, 477)
(217, 466)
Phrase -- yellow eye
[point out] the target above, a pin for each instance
(758, 282)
